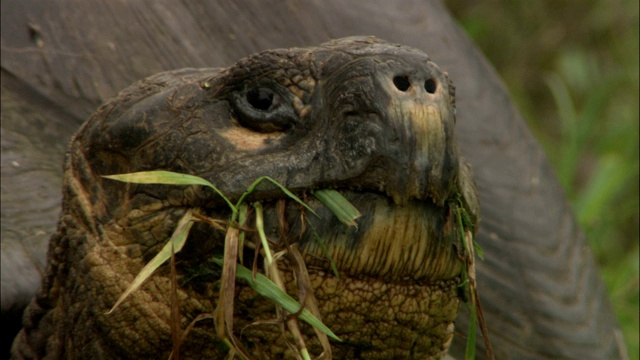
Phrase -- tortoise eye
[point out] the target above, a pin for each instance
(263, 99)
(264, 108)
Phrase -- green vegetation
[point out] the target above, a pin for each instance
(270, 286)
(572, 68)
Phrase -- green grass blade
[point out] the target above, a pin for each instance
(305, 354)
(339, 205)
(167, 178)
(479, 250)
(260, 227)
(284, 189)
(267, 288)
(467, 273)
(178, 239)
(470, 352)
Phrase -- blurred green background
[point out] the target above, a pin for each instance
(572, 68)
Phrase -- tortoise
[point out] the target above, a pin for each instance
(370, 119)
(527, 229)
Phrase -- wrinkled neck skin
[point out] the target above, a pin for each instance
(358, 115)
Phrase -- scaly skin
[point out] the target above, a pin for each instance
(371, 119)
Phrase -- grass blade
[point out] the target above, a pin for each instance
(243, 211)
(227, 291)
(284, 189)
(310, 299)
(265, 287)
(176, 328)
(339, 205)
(479, 250)
(305, 354)
(177, 241)
(273, 273)
(167, 178)
(263, 236)
(470, 352)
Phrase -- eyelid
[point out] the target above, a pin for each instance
(278, 117)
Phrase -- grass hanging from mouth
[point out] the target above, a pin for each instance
(174, 245)
(231, 263)
(267, 288)
(339, 206)
(235, 242)
(468, 275)
(263, 237)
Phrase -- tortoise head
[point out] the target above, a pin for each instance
(354, 113)
(351, 114)
(373, 120)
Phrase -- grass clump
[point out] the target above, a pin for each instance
(270, 286)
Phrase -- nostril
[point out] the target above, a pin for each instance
(401, 82)
(431, 86)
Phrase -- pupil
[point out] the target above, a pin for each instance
(261, 98)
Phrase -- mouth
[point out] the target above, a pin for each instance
(412, 242)
(399, 264)
(407, 231)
